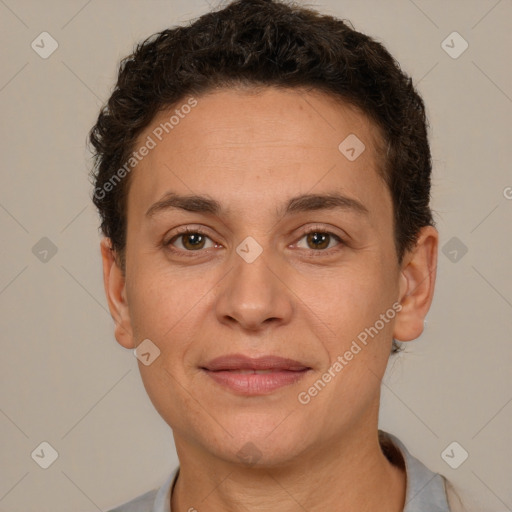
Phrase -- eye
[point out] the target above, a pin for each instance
(320, 240)
(191, 240)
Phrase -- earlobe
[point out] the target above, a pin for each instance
(417, 282)
(115, 290)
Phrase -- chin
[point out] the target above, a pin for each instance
(263, 447)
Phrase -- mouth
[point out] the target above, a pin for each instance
(254, 376)
(257, 372)
(239, 362)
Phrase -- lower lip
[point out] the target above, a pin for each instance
(254, 383)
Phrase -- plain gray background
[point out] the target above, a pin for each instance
(64, 378)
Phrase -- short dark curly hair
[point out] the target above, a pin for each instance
(266, 43)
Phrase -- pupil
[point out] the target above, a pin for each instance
(319, 240)
(193, 240)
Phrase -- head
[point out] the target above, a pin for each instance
(272, 122)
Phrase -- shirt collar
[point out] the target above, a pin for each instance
(163, 496)
(425, 490)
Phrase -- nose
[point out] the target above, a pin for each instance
(254, 295)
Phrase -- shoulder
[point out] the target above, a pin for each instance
(143, 503)
(425, 490)
(457, 503)
(157, 500)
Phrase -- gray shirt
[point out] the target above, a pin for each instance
(425, 492)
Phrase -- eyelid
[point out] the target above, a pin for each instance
(304, 231)
(317, 228)
(183, 230)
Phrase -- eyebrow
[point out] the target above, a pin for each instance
(302, 203)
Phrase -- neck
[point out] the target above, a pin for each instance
(346, 473)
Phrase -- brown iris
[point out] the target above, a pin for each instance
(319, 240)
(193, 241)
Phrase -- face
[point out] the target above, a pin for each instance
(288, 252)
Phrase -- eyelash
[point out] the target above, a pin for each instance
(199, 231)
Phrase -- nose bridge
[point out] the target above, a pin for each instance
(254, 292)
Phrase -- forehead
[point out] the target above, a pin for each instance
(248, 147)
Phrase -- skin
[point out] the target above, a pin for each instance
(252, 152)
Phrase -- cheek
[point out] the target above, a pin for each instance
(347, 300)
(163, 306)
(357, 345)
(161, 289)
(167, 309)
(350, 304)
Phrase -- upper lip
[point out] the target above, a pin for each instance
(241, 362)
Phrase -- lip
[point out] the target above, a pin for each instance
(241, 362)
(238, 373)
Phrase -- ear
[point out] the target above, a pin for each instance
(417, 281)
(115, 290)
